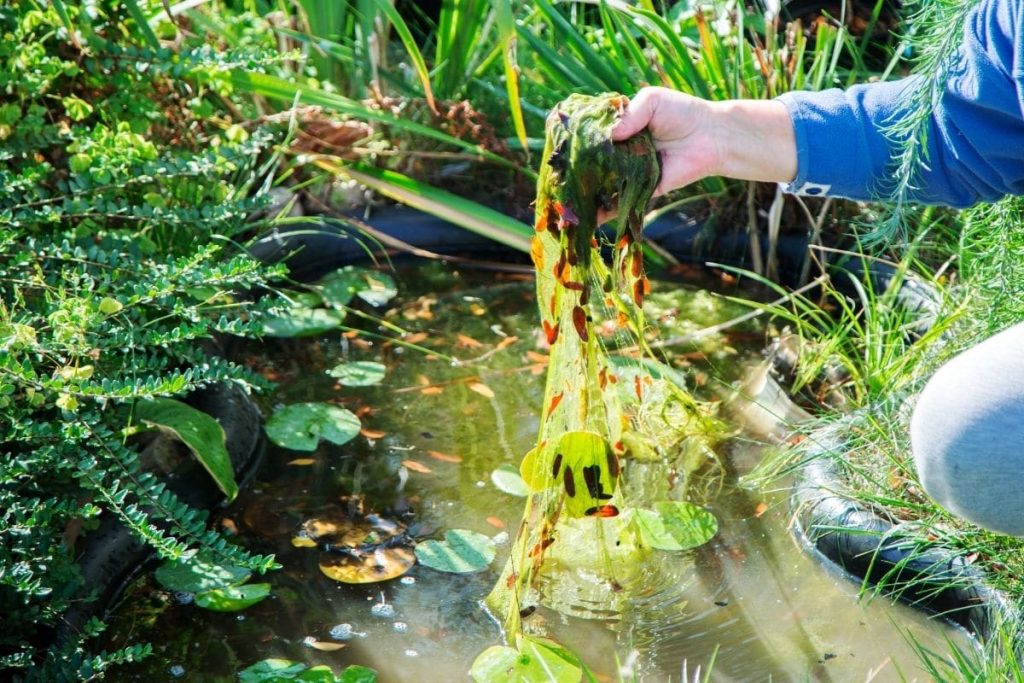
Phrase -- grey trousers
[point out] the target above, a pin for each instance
(967, 434)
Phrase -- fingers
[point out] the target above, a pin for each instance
(638, 114)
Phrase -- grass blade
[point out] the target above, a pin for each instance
(507, 34)
(142, 22)
(468, 214)
(402, 29)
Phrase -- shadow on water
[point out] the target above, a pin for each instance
(430, 442)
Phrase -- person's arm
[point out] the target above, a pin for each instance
(975, 141)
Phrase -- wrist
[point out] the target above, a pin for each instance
(754, 140)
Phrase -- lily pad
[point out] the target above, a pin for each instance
(303, 322)
(301, 426)
(360, 373)
(201, 433)
(508, 480)
(233, 598)
(380, 564)
(338, 288)
(461, 552)
(197, 576)
(675, 525)
(537, 661)
(283, 670)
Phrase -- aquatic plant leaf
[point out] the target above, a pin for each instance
(461, 552)
(360, 373)
(271, 671)
(201, 433)
(357, 674)
(303, 322)
(381, 564)
(233, 598)
(537, 661)
(582, 465)
(340, 287)
(508, 480)
(301, 426)
(197, 576)
(675, 525)
(380, 288)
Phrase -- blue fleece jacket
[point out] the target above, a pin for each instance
(975, 141)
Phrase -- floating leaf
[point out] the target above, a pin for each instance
(461, 552)
(233, 598)
(379, 565)
(197, 430)
(508, 480)
(675, 525)
(417, 466)
(198, 576)
(362, 373)
(300, 426)
(303, 322)
(325, 646)
(538, 661)
(444, 457)
(284, 670)
(379, 290)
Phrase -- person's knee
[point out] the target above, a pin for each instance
(967, 434)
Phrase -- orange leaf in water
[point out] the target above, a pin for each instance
(302, 462)
(481, 389)
(431, 391)
(417, 466)
(760, 509)
(537, 357)
(444, 457)
(506, 342)
(416, 338)
(467, 342)
(477, 310)
(496, 522)
(372, 433)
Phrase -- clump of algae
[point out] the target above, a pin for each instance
(601, 414)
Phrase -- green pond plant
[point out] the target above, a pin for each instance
(607, 420)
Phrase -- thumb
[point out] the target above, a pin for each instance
(637, 115)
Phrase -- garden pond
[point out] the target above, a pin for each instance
(440, 442)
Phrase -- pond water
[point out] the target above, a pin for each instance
(752, 600)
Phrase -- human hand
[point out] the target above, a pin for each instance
(678, 125)
(695, 138)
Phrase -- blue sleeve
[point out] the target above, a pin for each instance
(975, 140)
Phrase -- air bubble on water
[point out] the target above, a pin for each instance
(177, 671)
(481, 484)
(408, 580)
(184, 597)
(240, 617)
(309, 641)
(383, 609)
(400, 626)
(341, 632)
(500, 538)
(412, 653)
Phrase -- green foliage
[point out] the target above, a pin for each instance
(121, 177)
(284, 670)
(461, 552)
(301, 426)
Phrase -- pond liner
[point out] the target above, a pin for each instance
(841, 532)
(111, 555)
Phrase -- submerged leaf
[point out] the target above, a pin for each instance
(537, 661)
(301, 426)
(360, 373)
(233, 598)
(461, 552)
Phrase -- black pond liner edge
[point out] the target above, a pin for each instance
(840, 532)
(112, 556)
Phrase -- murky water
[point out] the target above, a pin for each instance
(751, 599)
